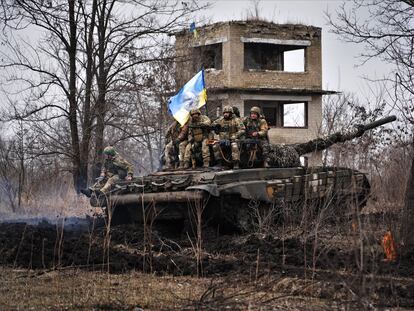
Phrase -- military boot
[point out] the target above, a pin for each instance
(206, 163)
(236, 165)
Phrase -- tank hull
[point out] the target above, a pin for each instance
(221, 195)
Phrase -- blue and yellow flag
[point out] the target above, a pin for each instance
(192, 95)
(193, 29)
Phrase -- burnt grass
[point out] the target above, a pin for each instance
(332, 256)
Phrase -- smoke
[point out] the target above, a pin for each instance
(54, 205)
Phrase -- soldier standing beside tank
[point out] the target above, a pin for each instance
(230, 129)
(257, 128)
(114, 168)
(176, 141)
(198, 134)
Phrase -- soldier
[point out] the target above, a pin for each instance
(256, 128)
(198, 134)
(176, 140)
(114, 168)
(230, 129)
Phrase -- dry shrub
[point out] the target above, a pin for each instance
(50, 197)
(390, 176)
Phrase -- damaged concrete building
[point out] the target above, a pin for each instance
(255, 63)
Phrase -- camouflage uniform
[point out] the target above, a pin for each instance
(114, 169)
(259, 126)
(175, 135)
(198, 133)
(229, 129)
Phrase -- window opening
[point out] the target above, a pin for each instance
(281, 114)
(294, 115)
(294, 60)
(270, 114)
(266, 56)
(208, 56)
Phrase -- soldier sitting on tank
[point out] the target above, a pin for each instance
(176, 140)
(198, 136)
(113, 169)
(256, 130)
(229, 129)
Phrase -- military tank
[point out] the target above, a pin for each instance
(227, 197)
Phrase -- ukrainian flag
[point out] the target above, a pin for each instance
(192, 95)
(193, 29)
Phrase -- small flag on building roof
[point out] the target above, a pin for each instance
(192, 95)
(194, 30)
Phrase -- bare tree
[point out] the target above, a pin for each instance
(59, 22)
(77, 66)
(385, 30)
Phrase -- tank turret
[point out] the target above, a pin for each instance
(289, 155)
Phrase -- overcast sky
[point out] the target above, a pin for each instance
(339, 60)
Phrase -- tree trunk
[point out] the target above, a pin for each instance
(150, 151)
(79, 176)
(87, 115)
(102, 87)
(99, 131)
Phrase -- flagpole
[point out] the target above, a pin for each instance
(204, 83)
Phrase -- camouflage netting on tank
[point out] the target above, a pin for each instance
(283, 156)
(289, 155)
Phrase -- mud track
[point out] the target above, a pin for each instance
(331, 257)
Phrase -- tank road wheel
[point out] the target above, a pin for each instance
(236, 214)
(249, 216)
(120, 215)
(244, 220)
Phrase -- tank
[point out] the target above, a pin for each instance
(233, 199)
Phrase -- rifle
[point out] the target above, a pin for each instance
(202, 126)
(221, 142)
(250, 143)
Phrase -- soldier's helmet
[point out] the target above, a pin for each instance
(255, 110)
(195, 111)
(109, 150)
(228, 109)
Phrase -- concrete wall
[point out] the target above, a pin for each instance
(233, 74)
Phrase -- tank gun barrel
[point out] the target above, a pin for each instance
(379, 122)
(320, 144)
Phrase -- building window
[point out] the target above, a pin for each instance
(294, 115)
(281, 114)
(294, 60)
(267, 56)
(208, 57)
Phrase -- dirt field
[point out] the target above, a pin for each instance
(46, 268)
